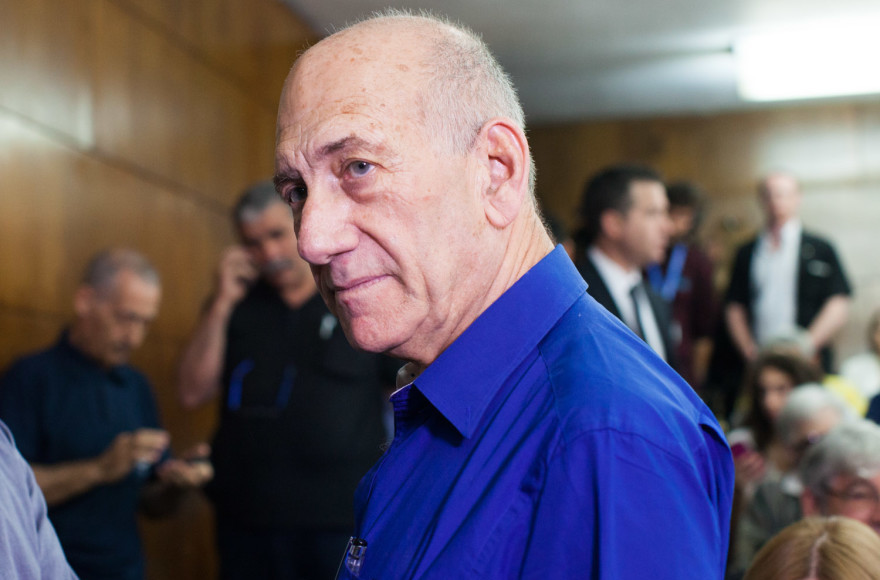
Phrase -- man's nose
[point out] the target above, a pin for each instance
(270, 250)
(135, 333)
(324, 227)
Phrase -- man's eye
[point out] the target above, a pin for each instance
(359, 168)
(295, 193)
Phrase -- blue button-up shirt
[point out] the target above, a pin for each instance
(548, 442)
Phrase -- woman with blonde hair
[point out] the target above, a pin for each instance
(833, 548)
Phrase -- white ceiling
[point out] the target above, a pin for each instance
(587, 59)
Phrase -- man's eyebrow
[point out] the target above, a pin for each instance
(288, 174)
(283, 177)
(350, 142)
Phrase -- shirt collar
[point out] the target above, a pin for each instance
(789, 234)
(461, 382)
(619, 280)
(115, 373)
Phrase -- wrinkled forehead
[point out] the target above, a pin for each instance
(354, 71)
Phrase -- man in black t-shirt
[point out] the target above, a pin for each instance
(300, 409)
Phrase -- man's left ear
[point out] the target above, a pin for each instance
(507, 158)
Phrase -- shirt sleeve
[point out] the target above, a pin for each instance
(616, 506)
(30, 545)
(20, 408)
(839, 284)
(150, 417)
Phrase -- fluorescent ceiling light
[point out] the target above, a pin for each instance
(828, 59)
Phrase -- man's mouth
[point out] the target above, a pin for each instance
(276, 266)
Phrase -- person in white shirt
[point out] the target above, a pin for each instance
(786, 280)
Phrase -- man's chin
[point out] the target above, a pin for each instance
(116, 360)
(278, 278)
(366, 335)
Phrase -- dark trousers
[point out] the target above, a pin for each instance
(302, 554)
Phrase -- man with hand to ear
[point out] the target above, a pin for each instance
(87, 422)
(300, 409)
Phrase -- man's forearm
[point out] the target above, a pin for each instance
(64, 481)
(740, 332)
(830, 319)
(202, 362)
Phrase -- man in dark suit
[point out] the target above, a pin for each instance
(626, 227)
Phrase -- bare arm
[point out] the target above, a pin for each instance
(198, 376)
(740, 332)
(830, 319)
(702, 353)
(63, 481)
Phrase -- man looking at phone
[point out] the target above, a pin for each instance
(300, 410)
(87, 423)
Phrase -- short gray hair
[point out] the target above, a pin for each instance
(852, 448)
(254, 201)
(465, 85)
(103, 267)
(803, 404)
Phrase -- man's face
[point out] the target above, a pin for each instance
(808, 432)
(645, 227)
(855, 497)
(774, 386)
(780, 198)
(391, 222)
(114, 322)
(271, 242)
(682, 220)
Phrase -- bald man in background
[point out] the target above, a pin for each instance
(535, 436)
(786, 284)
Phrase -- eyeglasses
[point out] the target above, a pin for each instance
(859, 497)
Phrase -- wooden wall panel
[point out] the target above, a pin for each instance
(833, 149)
(45, 63)
(33, 220)
(84, 205)
(26, 331)
(162, 110)
(251, 45)
(133, 122)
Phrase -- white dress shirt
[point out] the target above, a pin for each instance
(620, 283)
(774, 277)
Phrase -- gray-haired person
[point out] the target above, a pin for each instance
(87, 423)
(841, 474)
(809, 413)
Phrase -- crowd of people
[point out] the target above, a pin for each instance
(558, 411)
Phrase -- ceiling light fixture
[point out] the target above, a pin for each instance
(823, 60)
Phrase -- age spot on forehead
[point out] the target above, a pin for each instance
(403, 68)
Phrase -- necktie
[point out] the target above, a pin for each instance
(633, 294)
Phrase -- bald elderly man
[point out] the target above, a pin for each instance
(786, 281)
(535, 435)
